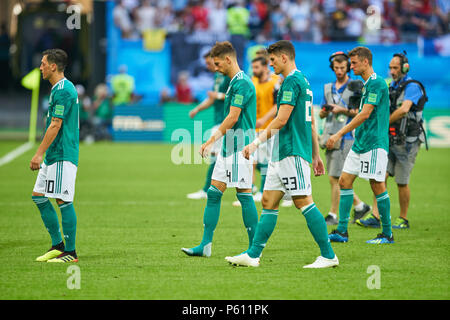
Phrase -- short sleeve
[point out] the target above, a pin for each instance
(413, 92)
(374, 94)
(289, 92)
(240, 96)
(62, 104)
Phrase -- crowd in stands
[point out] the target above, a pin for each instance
(369, 21)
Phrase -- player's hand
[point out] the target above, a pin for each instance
(205, 149)
(332, 141)
(248, 150)
(35, 163)
(318, 167)
(193, 113)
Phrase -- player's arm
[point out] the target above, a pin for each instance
(205, 104)
(356, 122)
(228, 123)
(49, 137)
(284, 112)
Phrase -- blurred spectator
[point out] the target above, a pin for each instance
(299, 15)
(258, 13)
(329, 6)
(356, 18)
(86, 126)
(237, 19)
(145, 15)
(318, 23)
(103, 112)
(200, 15)
(408, 21)
(217, 17)
(339, 22)
(183, 92)
(123, 87)
(278, 21)
(300, 20)
(123, 20)
(434, 24)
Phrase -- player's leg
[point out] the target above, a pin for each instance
(48, 213)
(349, 173)
(345, 200)
(384, 208)
(272, 194)
(264, 229)
(317, 226)
(377, 160)
(210, 219)
(64, 194)
(69, 224)
(249, 212)
(243, 182)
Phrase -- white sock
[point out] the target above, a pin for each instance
(332, 214)
(359, 206)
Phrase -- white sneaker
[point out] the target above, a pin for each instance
(205, 253)
(243, 260)
(236, 203)
(257, 197)
(287, 203)
(197, 195)
(322, 262)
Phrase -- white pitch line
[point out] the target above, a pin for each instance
(15, 153)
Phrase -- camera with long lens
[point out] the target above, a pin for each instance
(355, 86)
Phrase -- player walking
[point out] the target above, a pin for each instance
(231, 168)
(56, 177)
(289, 170)
(368, 157)
(215, 98)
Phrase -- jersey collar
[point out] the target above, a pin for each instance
(236, 75)
(292, 72)
(370, 77)
(58, 82)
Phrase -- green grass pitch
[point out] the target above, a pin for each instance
(133, 218)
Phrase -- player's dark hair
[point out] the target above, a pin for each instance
(207, 55)
(282, 46)
(58, 57)
(362, 53)
(222, 49)
(261, 59)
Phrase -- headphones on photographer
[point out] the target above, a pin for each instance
(339, 53)
(404, 64)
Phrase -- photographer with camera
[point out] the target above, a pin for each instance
(340, 104)
(407, 100)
